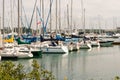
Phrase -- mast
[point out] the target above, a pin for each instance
(18, 17)
(71, 14)
(43, 16)
(68, 19)
(21, 29)
(56, 16)
(60, 16)
(30, 30)
(84, 21)
(2, 42)
(50, 17)
(14, 28)
(3, 16)
(115, 24)
(40, 9)
(83, 16)
(37, 23)
(40, 5)
(99, 23)
(11, 5)
(40, 29)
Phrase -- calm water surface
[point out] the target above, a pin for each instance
(98, 64)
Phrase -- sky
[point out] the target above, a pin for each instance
(98, 13)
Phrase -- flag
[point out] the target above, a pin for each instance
(38, 22)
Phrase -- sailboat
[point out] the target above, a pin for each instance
(14, 52)
(22, 54)
(72, 46)
(51, 46)
(85, 44)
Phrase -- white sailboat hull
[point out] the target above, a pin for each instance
(24, 55)
(55, 49)
(15, 52)
(85, 45)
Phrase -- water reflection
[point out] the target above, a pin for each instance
(89, 49)
(83, 76)
(96, 63)
(52, 62)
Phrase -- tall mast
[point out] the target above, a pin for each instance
(83, 16)
(18, 17)
(43, 16)
(114, 23)
(50, 17)
(3, 16)
(60, 16)
(40, 29)
(68, 19)
(3, 22)
(99, 24)
(56, 16)
(11, 15)
(84, 20)
(40, 5)
(65, 21)
(37, 23)
(21, 17)
(71, 14)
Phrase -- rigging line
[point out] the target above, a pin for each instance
(25, 16)
(48, 15)
(40, 17)
(44, 27)
(32, 15)
(39, 14)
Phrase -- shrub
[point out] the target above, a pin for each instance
(10, 71)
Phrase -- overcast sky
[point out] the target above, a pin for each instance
(99, 13)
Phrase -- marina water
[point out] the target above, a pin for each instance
(97, 64)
